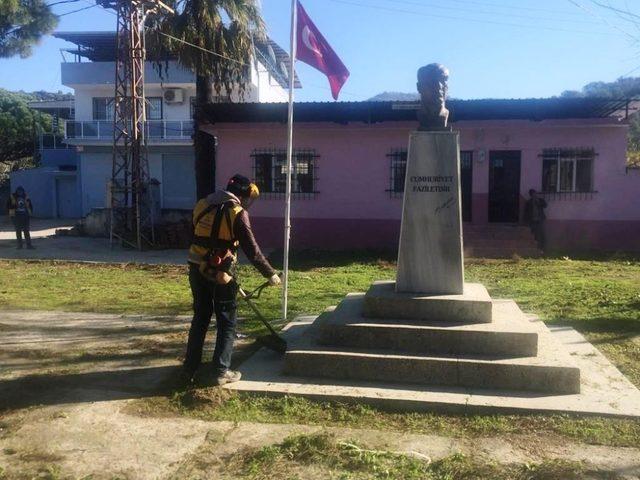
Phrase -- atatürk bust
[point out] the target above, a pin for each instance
(433, 88)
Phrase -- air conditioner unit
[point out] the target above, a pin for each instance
(173, 95)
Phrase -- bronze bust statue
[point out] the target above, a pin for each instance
(433, 88)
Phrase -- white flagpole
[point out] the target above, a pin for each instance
(287, 212)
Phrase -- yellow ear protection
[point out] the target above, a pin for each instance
(254, 191)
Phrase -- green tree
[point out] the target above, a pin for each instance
(18, 125)
(228, 28)
(22, 24)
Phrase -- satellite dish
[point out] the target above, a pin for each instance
(285, 70)
(272, 54)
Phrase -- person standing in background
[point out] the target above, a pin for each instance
(534, 215)
(20, 211)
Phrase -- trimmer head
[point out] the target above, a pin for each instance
(273, 342)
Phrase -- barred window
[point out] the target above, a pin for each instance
(398, 165)
(567, 170)
(270, 172)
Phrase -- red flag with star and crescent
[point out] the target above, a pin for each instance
(314, 50)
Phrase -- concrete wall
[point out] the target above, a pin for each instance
(75, 74)
(269, 90)
(41, 184)
(177, 183)
(353, 207)
(56, 157)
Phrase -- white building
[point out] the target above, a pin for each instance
(170, 97)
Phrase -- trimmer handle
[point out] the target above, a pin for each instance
(257, 292)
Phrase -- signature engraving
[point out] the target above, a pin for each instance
(446, 204)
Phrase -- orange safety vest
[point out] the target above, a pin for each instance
(208, 217)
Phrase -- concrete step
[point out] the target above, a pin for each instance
(508, 335)
(528, 374)
(552, 370)
(474, 305)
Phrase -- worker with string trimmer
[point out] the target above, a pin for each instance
(221, 224)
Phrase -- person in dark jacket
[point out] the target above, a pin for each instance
(534, 215)
(221, 225)
(20, 211)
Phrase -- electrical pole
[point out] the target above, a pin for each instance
(131, 200)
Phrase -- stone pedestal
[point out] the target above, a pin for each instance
(473, 306)
(430, 253)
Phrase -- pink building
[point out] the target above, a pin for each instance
(350, 158)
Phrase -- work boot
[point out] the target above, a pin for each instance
(228, 376)
(30, 247)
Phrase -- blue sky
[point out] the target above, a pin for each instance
(494, 48)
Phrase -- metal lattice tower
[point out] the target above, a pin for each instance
(131, 202)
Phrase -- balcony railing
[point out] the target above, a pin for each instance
(154, 130)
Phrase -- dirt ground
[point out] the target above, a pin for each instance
(67, 383)
(48, 246)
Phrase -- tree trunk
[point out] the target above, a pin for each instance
(204, 144)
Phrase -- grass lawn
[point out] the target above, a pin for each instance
(600, 298)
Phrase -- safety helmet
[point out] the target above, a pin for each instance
(242, 187)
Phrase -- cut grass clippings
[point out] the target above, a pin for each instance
(331, 458)
(215, 404)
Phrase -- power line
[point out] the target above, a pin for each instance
(244, 64)
(610, 7)
(630, 72)
(448, 17)
(76, 11)
(211, 52)
(238, 61)
(512, 7)
(61, 2)
(624, 32)
(486, 12)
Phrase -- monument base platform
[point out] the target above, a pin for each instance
(473, 305)
(535, 361)
(604, 390)
(508, 335)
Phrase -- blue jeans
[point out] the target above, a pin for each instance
(209, 298)
(21, 224)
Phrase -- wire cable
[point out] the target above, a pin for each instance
(624, 32)
(211, 52)
(512, 7)
(75, 11)
(448, 17)
(486, 12)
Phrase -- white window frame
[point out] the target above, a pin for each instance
(560, 158)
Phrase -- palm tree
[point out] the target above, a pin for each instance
(228, 28)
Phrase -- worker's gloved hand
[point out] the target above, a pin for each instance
(274, 281)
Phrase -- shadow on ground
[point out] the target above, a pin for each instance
(51, 358)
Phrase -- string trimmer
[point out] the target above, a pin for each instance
(273, 341)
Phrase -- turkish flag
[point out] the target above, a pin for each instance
(313, 49)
